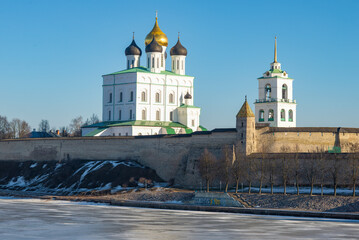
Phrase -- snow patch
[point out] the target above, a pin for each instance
(33, 165)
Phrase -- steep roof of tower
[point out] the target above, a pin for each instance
(245, 111)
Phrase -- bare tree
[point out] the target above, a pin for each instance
(19, 128)
(4, 128)
(260, 164)
(334, 171)
(237, 167)
(249, 171)
(64, 131)
(285, 167)
(354, 165)
(206, 167)
(225, 167)
(271, 169)
(92, 120)
(75, 126)
(322, 168)
(44, 126)
(296, 167)
(311, 170)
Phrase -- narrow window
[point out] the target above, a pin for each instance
(110, 98)
(158, 115)
(290, 117)
(153, 63)
(192, 123)
(128, 64)
(271, 115)
(126, 134)
(158, 62)
(173, 65)
(148, 62)
(261, 115)
(282, 115)
(144, 114)
(171, 116)
(133, 63)
(121, 95)
(131, 97)
(171, 98)
(119, 134)
(242, 124)
(182, 64)
(119, 115)
(162, 60)
(143, 96)
(131, 114)
(268, 92)
(109, 115)
(158, 98)
(177, 64)
(284, 92)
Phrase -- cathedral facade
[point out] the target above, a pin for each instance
(149, 100)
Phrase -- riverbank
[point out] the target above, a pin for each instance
(343, 207)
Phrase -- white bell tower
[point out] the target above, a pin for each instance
(275, 104)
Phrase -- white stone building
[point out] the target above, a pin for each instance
(275, 105)
(148, 100)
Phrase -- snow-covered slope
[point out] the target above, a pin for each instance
(74, 176)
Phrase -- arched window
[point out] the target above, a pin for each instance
(121, 96)
(290, 117)
(148, 62)
(158, 97)
(173, 65)
(133, 63)
(271, 115)
(261, 115)
(284, 92)
(144, 114)
(158, 115)
(177, 64)
(171, 98)
(120, 115)
(282, 115)
(143, 96)
(153, 63)
(109, 115)
(131, 97)
(110, 98)
(171, 116)
(158, 62)
(268, 92)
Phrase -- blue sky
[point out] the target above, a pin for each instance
(53, 53)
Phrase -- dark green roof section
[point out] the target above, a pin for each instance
(188, 130)
(187, 106)
(144, 70)
(274, 77)
(136, 123)
(203, 128)
(170, 130)
(276, 71)
(95, 132)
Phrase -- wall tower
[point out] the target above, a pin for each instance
(245, 125)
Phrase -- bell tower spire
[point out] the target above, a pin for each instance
(275, 49)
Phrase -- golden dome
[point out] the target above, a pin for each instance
(161, 38)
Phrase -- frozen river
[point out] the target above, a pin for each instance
(40, 219)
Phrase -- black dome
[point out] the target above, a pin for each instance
(178, 49)
(153, 46)
(133, 49)
(188, 96)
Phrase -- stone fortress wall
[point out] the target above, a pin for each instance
(175, 157)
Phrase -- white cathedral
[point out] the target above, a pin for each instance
(149, 100)
(152, 100)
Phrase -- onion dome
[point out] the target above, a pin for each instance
(156, 32)
(178, 49)
(133, 49)
(188, 96)
(153, 46)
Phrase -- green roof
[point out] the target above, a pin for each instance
(95, 132)
(187, 106)
(135, 123)
(203, 128)
(170, 130)
(143, 70)
(274, 77)
(276, 71)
